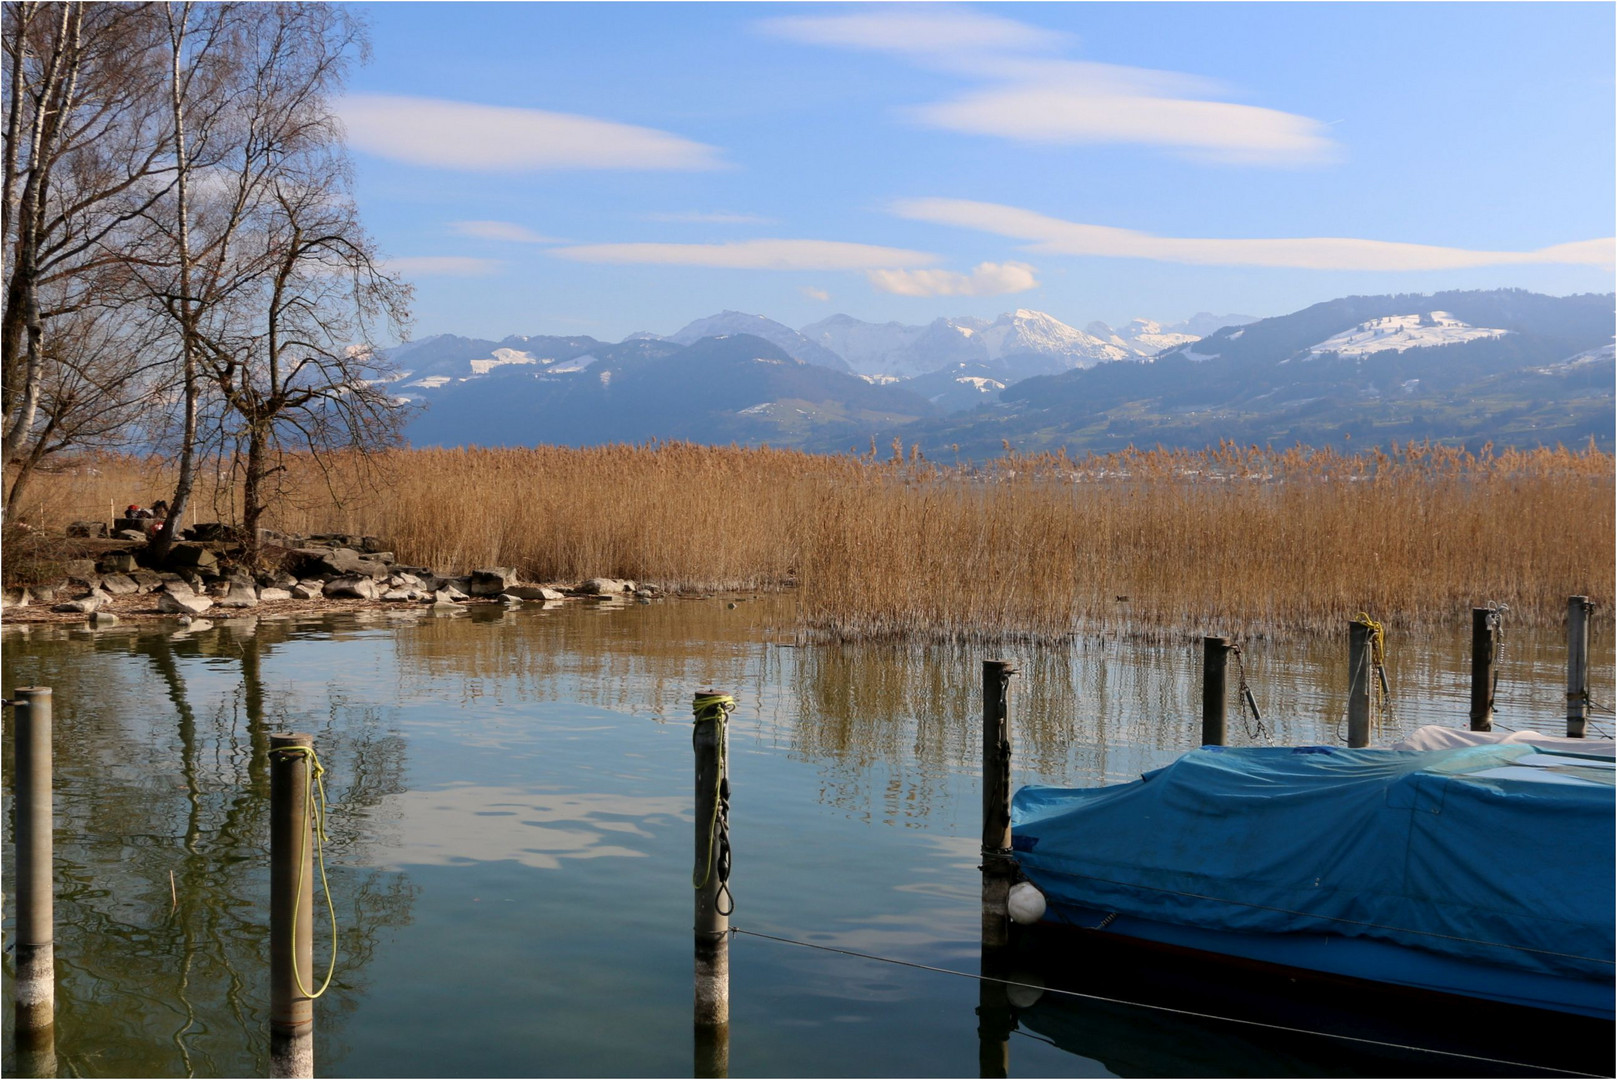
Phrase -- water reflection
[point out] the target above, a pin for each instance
(538, 759)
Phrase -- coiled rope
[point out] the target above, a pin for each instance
(716, 709)
(314, 812)
(1378, 662)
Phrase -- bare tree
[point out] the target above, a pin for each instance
(83, 159)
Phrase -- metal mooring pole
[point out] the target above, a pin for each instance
(36, 959)
(711, 929)
(291, 907)
(1484, 653)
(999, 868)
(1215, 666)
(1359, 675)
(1577, 666)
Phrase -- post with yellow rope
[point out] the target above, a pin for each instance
(291, 906)
(35, 930)
(1361, 637)
(710, 879)
(1577, 667)
(1215, 696)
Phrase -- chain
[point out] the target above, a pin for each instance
(1255, 729)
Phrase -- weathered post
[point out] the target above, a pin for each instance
(1577, 666)
(710, 878)
(995, 1018)
(1215, 666)
(291, 906)
(36, 960)
(999, 867)
(1484, 653)
(1360, 654)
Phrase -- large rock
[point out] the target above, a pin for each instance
(85, 604)
(271, 593)
(118, 585)
(117, 562)
(147, 581)
(535, 592)
(192, 557)
(82, 571)
(239, 595)
(103, 619)
(605, 586)
(17, 597)
(351, 587)
(445, 598)
(175, 604)
(492, 581)
(178, 586)
(307, 590)
(88, 529)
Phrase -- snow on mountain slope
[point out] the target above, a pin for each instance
(789, 341)
(1027, 331)
(1400, 332)
(867, 347)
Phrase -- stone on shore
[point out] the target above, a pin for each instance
(605, 586)
(352, 587)
(271, 593)
(491, 581)
(174, 603)
(307, 590)
(535, 592)
(239, 595)
(118, 585)
(85, 604)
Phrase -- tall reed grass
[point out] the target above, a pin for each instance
(1244, 540)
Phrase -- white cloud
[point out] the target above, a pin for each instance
(1029, 98)
(1057, 237)
(695, 217)
(814, 294)
(443, 266)
(499, 230)
(988, 279)
(494, 138)
(914, 30)
(753, 255)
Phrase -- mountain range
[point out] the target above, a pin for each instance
(1505, 365)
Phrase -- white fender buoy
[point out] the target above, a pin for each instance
(1025, 903)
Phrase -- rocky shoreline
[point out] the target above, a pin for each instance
(202, 577)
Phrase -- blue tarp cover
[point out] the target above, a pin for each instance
(1501, 854)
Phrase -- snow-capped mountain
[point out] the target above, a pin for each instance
(1400, 332)
(788, 340)
(1017, 344)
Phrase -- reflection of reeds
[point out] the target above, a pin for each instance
(1243, 539)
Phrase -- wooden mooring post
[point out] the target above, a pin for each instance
(1360, 657)
(998, 866)
(35, 938)
(1484, 655)
(1577, 666)
(291, 906)
(710, 877)
(1215, 695)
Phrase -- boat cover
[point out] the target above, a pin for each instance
(1501, 854)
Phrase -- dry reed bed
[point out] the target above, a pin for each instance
(1240, 540)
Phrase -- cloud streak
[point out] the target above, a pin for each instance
(499, 230)
(443, 266)
(1053, 236)
(468, 137)
(1033, 99)
(752, 255)
(987, 279)
(696, 217)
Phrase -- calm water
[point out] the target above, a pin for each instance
(511, 827)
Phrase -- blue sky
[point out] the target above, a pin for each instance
(604, 168)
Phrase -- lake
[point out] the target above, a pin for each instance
(510, 822)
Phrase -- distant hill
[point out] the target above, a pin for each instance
(734, 388)
(1506, 366)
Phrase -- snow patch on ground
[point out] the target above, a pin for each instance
(501, 358)
(431, 382)
(983, 385)
(1398, 333)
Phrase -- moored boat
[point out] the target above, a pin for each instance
(1484, 871)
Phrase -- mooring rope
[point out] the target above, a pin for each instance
(1157, 1008)
(717, 709)
(314, 812)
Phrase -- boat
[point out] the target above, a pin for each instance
(1481, 871)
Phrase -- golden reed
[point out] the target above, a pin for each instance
(1244, 540)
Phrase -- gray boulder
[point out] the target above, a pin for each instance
(271, 593)
(11, 598)
(535, 592)
(239, 595)
(605, 586)
(119, 585)
(491, 581)
(85, 604)
(351, 587)
(175, 604)
(103, 619)
(307, 590)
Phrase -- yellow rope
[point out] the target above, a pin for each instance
(315, 813)
(1378, 659)
(716, 707)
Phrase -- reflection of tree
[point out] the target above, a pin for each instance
(141, 952)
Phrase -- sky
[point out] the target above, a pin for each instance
(604, 168)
